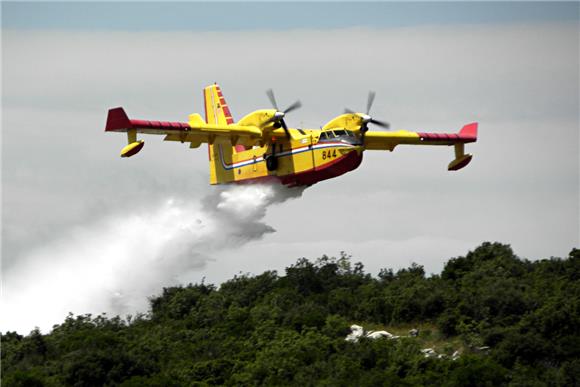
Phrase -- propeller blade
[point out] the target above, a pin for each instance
(285, 128)
(294, 106)
(270, 94)
(368, 119)
(370, 101)
(382, 124)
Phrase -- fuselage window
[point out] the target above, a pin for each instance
(351, 134)
(330, 133)
(340, 132)
(323, 136)
(302, 132)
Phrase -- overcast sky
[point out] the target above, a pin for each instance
(512, 67)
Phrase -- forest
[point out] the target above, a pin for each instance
(489, 318)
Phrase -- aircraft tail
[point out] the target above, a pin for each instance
(216, 109)
(217, 112)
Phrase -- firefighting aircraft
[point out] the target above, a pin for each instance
(261, 146)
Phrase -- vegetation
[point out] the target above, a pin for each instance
(290, 330)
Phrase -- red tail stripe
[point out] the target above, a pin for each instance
(224, 106)
(227, 111)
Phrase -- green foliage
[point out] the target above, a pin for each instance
(289, 330)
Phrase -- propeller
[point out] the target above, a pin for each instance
(278, 117)
(366, 118)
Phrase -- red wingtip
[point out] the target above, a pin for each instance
(469, 132)
(117, 120)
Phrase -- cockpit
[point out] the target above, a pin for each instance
(341, 135)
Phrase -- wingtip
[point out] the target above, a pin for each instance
(469, 131)
(117, 120)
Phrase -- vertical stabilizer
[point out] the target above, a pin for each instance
(216, 109)
(217, 112)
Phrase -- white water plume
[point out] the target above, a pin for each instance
(113, 264)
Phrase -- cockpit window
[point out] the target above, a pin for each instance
(302, 132)
(344, 136)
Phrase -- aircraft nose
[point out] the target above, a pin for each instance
(357, 148)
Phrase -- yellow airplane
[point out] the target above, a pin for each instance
(261, 146)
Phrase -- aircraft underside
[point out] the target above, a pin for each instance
(338, 167)
(300, 164)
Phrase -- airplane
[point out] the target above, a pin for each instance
(261, 147)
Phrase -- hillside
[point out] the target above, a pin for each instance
(290, 329)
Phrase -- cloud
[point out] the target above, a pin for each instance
(61, 172)
(417, 68)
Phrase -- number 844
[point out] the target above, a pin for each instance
(327, 154)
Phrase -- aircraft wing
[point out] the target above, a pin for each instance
(196, 131)
(389, 140)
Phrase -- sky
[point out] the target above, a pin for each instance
(279, 15)
(67, 197)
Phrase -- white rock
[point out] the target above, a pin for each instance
(429, 352)
(356, 332)
(379, 334)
